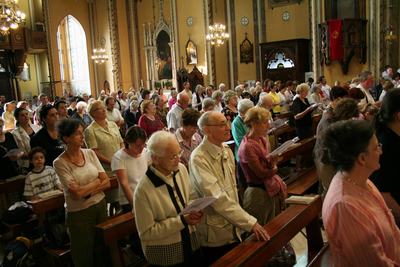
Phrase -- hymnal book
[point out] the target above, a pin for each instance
(285, 146)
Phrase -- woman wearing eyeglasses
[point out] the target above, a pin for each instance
(361, 229)
(104, 138)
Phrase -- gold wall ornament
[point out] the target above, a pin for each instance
(246, 51)
(191, 53)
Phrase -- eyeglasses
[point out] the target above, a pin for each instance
(176, 156)
(102, 108)
(222, 124)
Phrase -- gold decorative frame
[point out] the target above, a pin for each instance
(191, 53)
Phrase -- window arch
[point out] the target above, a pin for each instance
(73, 56)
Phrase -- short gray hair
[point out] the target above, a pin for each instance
(204, 120)
(216, 94)
(228, 95)
(221, 85)
(244, 105)
(134, 105)
(207, 102)
(198, 88)
(81, 105)
(158, 142)
(262, 97)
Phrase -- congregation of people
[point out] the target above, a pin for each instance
(169, 148)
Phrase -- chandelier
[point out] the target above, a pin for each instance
(216, 34)
(10, 16)
(99, 55)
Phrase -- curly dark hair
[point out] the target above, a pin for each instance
(343, 141)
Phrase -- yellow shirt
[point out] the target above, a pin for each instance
(277, 101)
(107, 141)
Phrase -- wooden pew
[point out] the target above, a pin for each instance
(281, 230)
(14, 185)
(300, 182)
(42, 206)
(307, 179)
(115, 229)
(303, 147)
(11, 190)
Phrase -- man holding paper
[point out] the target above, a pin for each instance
(212, 174)
(167, 236)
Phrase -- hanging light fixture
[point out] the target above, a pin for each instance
(99, 54)
(10, 16)
(217, 35)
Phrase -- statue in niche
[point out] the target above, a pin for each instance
(164, 56)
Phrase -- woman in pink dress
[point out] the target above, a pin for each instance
(361, 229)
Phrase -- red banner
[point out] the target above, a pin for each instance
(335, 39)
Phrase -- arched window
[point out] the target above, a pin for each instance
(280, 62)
(73, 56)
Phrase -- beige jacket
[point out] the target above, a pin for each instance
(209, 178)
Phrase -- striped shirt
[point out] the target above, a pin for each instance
(41, 182)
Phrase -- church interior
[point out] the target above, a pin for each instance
(95, 51)
(140, 37)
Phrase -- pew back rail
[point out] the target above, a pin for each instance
(281, 229)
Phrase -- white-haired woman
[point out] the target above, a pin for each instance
(217, 97)
(198, 96)
(132, 114)
(230, 110)
(168, 239)
(81, 114)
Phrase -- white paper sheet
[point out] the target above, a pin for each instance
(198, 205)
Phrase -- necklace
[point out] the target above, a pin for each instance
(78, 161)
(365, 186)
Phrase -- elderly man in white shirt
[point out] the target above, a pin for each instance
(366, 83)
(174, 116)
(113, 114)
(212, 173)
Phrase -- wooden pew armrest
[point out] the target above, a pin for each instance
(281, 229)
(117, 227)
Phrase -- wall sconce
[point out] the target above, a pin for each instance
(390, 35)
